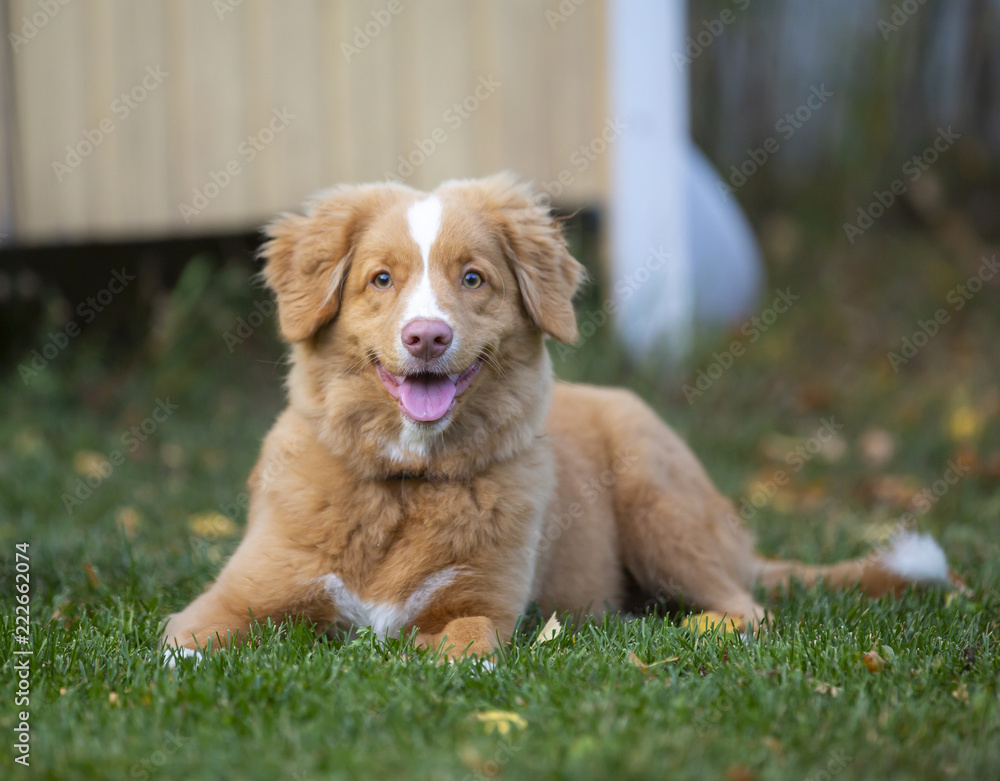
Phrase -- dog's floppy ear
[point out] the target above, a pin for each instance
(547, 275)
(308, 257)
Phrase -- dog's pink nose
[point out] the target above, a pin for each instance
(427, 339)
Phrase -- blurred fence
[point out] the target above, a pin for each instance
(126, 119)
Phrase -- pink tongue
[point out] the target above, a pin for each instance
(426, 397)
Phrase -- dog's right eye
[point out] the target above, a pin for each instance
(382, 280)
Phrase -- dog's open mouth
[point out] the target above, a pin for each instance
(427, 397)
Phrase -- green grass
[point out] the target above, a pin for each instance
(797, 702)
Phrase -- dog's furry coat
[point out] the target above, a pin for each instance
(365, 511)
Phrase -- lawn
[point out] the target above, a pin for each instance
(172, 428)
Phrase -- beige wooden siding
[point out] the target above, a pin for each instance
(350, 120)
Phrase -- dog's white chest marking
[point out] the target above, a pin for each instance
(386, 618)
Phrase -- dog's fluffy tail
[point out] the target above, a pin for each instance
(908, 559)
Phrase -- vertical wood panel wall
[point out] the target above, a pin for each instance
(233, 64)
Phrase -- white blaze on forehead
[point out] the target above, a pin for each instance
(424, 219)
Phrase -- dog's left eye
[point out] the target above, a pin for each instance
(472, 279)
(382, 280)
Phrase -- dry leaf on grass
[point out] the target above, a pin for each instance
(212, 525)
(550, 631)
(965, 423)
(128, 519)
(633, 659)
(89, 463)
(500, 721)
(822, 687)
(91, 575)
(701, 623)
(877, 447)
(873, 661)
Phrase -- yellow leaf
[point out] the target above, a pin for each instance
(706, 622)
(500, 721)
(128, 520)
(87, 463)
(212, 525)
(633, 659)
(550, 631)
(964, 423)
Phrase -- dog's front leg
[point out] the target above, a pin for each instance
(266, 579)
(461, 637)
(471, 621)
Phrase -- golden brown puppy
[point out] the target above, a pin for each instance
(429, 473)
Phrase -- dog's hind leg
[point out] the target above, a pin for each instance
(679, 538)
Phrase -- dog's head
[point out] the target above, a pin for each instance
(437, 301)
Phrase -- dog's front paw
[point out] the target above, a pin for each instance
(173, 654)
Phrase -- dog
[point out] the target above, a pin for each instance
(430, 477)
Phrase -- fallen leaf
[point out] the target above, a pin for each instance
(873, 661)
(961, 693)
(88, 463)
(877, 447)
(740, 773)
(500, 721)
(172, 455)
(701, 623)
(633, 659)
(827, 688)
(128, 520)
(895, 489)
(550, 631)
(212, 525)
(91, 575)
(964, 423)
